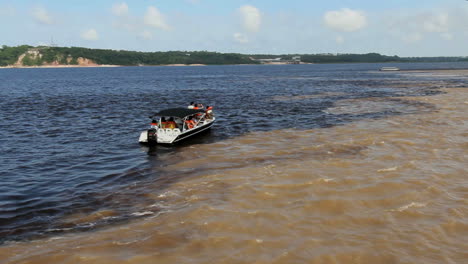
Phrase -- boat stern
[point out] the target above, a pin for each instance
(148, 136)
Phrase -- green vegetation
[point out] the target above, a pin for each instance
(359, 58)
(9, 55)
(35, 56)
(70, 55)
(64, 55)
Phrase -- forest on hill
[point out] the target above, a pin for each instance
(25, 55)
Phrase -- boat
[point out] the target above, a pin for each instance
(172, 125)
(389, 69)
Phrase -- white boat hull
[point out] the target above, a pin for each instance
(170, 136)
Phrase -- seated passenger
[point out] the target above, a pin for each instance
(171, 123)
(191, 105)
(209, 112)
(163, 122)
(154, 124)
(190, 123)
(198, 106)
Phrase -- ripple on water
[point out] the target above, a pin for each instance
(377, 181)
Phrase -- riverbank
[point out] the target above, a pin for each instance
(59, 66)
(91, 66)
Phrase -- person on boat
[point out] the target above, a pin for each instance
(163, 122)
(209, 112)
(189, 122)
(198, 106)
(191, 105)
(154, 124)
(171, 123)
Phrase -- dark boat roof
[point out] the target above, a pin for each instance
(179, 112)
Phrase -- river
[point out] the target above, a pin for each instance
(305, 164)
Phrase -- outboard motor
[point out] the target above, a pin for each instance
(152, 136)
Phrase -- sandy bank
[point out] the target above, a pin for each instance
(463, 72)
(91, 66)
(179, 65)
(58, 66)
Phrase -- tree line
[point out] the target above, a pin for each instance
(70, 55)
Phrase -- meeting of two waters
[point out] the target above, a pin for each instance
(305, 162)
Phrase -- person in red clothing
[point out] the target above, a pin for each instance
(154, 124)
(171, 123)
(190, 123)
(209, 112)
(163, 122)
(198, 106)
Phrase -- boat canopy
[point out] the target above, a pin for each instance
(178, 112)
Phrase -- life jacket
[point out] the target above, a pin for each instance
(154, 124)
(170, 124)
(190, 124)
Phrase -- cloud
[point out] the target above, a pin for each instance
(120, 9)
(339, 39)
(413, 27)
(447, 36)
(154, 18)
(90, 34)
(240, 38)
(438, 23)
(412, 37)
(146, 35)
(345, 20)
(41, 16)
(251, 18)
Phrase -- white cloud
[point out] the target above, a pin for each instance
(41, 15)
(412, 37)
(447, 36)
(155, 19)
(436, 23)
(90, 34)
(146, 35)
(241, 38)
(120, 9)
(251, 18)
(413, 27)
(339, 39)
(345, 20)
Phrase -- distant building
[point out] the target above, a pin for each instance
(296, 60)
(279, 60)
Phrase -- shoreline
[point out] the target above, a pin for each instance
(455, 70)
(60, 66)
(94, 66)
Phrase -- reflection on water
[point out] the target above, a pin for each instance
(384, 184)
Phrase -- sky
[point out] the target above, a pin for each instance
(390, 27)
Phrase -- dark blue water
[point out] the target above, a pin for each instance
(68, 137)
